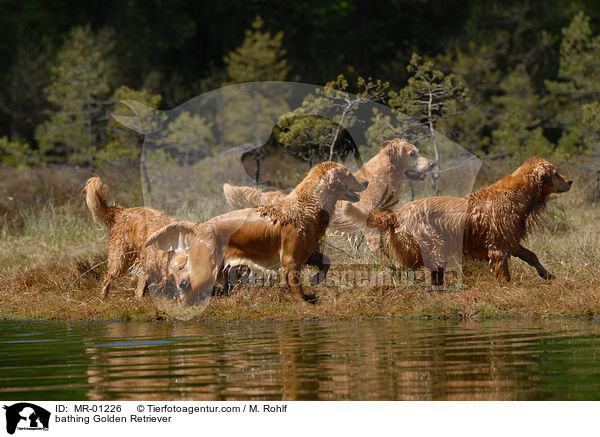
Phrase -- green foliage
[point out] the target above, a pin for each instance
(430, 94)
(22, 94)
(246, 118)
(314, 131)
(518, 130)
(429, 97)
(578, 85)
(477, 65)
(579, 54)
(260, 57)
(188, 139)
(528, 88)
(591, 115)
(122, 144)
(78, 90)
(16, 153)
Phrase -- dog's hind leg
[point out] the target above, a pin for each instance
(531, 258)
(117, 265)
(499, 264)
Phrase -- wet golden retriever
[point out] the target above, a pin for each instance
(129, 229)
(284, 234)
(487, 225)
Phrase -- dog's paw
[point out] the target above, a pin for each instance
(545, 274)
(435, 288)
(310, 298)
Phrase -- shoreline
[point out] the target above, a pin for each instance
(30, 295)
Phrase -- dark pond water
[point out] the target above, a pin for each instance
(366, 360)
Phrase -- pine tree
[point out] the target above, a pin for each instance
(123, 145)
(259, 58)
(78, 90)
(315, 130)
(430, 97)
(578, 85)
(519, 108)
(188, 139)
(250, 112)
(16, 153)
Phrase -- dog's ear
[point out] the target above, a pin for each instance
(385, 143)
(337, 177)
(174, 237)
(543, 175)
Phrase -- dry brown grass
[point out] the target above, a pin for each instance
(41, 250)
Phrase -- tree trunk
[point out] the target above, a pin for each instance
(435, 172)
(145, 170)
(257, 171)
(597, 192)
(186, 176)
(90, 132)
(337, 132)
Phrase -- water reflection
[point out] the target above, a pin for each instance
(367, 360)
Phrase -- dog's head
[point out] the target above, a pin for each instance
(196, 275)
(405, 158)
(339, 183)
(179, 271)
(546, 175)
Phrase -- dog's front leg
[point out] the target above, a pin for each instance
(291, 273)
(322, 263)
(437, 277)
(531, 258)
(141, 284)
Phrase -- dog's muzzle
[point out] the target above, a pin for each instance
(566, 187)
(352, 196)
(415, 175)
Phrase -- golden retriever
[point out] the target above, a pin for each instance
(487, 225)
(128, 230)
(284, 234)
(397, 161)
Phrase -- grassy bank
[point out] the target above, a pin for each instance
(46, 244)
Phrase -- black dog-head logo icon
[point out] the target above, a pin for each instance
(26, 416)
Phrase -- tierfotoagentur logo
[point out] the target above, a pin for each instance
(230, 159)
(25, 416)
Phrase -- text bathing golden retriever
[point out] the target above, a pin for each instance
(283, 234)
(129, 229)
(487, 225)
(397, 161)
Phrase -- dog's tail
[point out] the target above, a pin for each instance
(371, 219)
(243, 197)
(95, 198)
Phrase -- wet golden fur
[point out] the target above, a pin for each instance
(487, 225)
(128, 230)
(284, 234)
